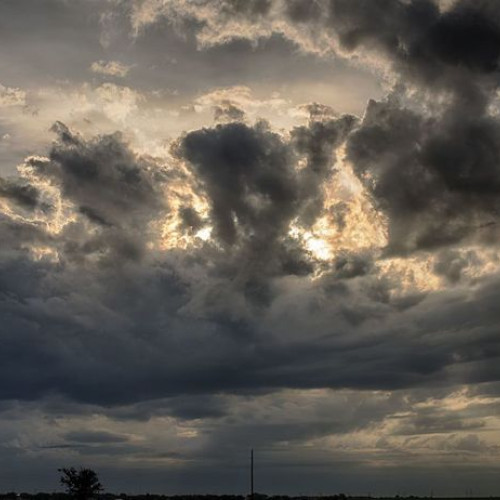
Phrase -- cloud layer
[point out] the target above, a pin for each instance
(186, 274)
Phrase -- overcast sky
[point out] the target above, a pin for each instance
(229, 224)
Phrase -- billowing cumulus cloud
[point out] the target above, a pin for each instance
(204, 260)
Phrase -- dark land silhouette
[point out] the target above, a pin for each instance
(257, 496)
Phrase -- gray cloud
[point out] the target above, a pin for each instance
(91, 437)
(23, 195)
(103, 178)
(248, 176)
(255, 190)
(144, 339)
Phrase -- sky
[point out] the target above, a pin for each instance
(236, 224)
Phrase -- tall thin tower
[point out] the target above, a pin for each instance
(251, 474)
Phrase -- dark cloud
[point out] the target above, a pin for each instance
(108, 186)
(248, 175)
(466, 36)
(130, 342)
(470, 443)
(352, 265)
(382, 23)
(385, 153)
(227, 340)
(93, 216)
(226, 110)
(452, 263)
(94, 437)
(433, 170)
(24, 195)
(301, 12)
(464, 153)
(18, 236)
(318, 142)
(255, 189)
(436, 421)
(103, 178)
(128, 333)
(428, 45)
(435, 176)
(435, 173)
(190, 219)
(185, 407)
(434, 179)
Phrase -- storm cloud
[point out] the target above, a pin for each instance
(200, 256)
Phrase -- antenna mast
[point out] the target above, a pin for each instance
(251, 474)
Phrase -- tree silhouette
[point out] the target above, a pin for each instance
(81, 484)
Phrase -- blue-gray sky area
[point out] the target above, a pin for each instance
(236, 224)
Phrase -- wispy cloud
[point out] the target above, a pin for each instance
(110, 68)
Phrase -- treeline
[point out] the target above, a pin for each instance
(257, 496)
(148, 496)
